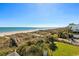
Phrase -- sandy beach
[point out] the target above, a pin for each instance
(14, 32)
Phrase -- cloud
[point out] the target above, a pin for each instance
(45, 25)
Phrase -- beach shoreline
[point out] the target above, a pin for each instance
(22, 31)
(15, 32)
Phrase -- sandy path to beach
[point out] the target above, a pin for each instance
(14, 32)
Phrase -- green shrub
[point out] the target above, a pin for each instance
(50, 52)
(37, 47)
(6, 51)
(55, 36)
(64, 35)
(29, 50)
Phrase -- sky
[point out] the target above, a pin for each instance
(38, 15)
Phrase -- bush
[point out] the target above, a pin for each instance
(64, 35)
(38, 46)
(36, 49)
(50, 52)
(55, 36)
(29, 50)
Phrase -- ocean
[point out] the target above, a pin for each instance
(10, 29)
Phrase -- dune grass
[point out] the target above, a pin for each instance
(5, 51)
(66, 50)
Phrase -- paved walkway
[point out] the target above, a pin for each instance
(13, 54)
(74, 42)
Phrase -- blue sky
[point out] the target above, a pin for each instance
(40, 15)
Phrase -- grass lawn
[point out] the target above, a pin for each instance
(66, 50)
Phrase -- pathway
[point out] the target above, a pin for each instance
(13, 54)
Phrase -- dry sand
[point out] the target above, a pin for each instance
(14, 32)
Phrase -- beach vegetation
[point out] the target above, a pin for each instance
(39, 43)
(5, 51)
(54, 36)
(37, 48)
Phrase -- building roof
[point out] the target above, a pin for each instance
(76, 36)
(75, 27)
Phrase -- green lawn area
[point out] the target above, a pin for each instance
(66, 50)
